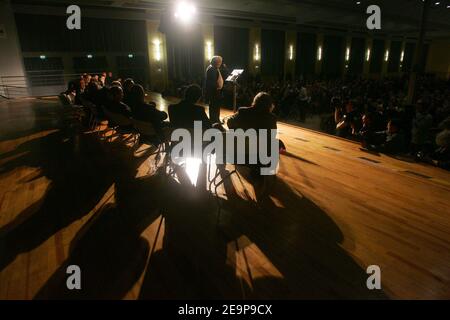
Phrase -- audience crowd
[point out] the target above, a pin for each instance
(374, 112)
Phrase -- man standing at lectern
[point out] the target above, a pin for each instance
(213, 86)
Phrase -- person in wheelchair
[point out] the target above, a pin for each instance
(258, 116)
(146, 112)
(184, 113)
(115, 104)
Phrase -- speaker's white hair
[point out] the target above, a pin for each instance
(215, 59)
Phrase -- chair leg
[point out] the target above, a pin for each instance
(158, 155)
(90, 121)
(216, 185)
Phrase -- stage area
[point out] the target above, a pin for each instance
(73, 199)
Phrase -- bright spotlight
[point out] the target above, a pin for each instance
(192, 169)
(185, 12)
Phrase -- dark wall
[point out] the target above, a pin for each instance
(272, 52)
(357, 56)
(185, 55)
(39, 33)
(95, 64)
(377, 56)
(233, 45)
(408, 57)
(305, 55)
(333, 56)
(44, 72)
(132, 68)
(394, 56)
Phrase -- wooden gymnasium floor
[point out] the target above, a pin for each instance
(74, 199)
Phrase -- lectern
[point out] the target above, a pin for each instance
(233, 77)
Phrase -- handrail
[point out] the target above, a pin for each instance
(36, 83)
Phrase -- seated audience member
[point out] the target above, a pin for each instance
(441, 156)
(102, 79)
(91, 92)
(87, 79)
(258, 116)
(69, 96)
(345, 119)
(143, 111)
(127, 85)
(184, 113)
(366, 133)
(393, 141)
(103, 96)
(302, 103)
(421, 126)
(109, 79)
(80, 88)
(116, 83)
(116, 105)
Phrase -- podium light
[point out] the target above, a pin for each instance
(319, 53)
(368, 55)
(386, 55)
(347, 54)
(291, 52)
(402, 55)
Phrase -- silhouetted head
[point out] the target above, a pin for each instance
(127, 84)
(193, 93)
(263, 101)
(116, 93)
(336, 102)
(393, 126)
(137, 94)
(116, 84)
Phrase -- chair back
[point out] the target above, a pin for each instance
(145, 128)
(116, 118)
(65, 100)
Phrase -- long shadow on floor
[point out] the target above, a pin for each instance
(30, 116)
(79, 177)
(290, 250)
(109, 249)
(302, 243)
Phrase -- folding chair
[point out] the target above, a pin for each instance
(119, 123)
(214, 183)
(147, 133)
